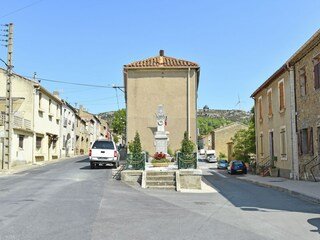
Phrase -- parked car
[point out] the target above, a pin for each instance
(237, 166)
(104, 152)
(222, 164)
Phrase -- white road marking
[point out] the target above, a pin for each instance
(220, 174)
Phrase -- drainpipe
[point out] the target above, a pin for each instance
(188, 102)
(294, 142)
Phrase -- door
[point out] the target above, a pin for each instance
(318, 141)
(271, 148)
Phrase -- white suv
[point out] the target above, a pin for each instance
(104, 152)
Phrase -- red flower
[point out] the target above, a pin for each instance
(159, 155)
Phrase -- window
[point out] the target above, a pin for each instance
(50, 103)
(269, 94)
(38, 142)
(40, 99)
(306, 141)
(283, 143)
(281, 96)
(317, 75)
(64, 141)
(57, 112)
(303, 82)
(21, 137)
(260, 108)
(261, 144)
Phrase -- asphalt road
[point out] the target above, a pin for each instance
(68, 200)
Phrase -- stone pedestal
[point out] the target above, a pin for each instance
(161, 142)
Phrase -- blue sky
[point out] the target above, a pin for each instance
(238, 44)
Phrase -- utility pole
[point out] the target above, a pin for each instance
(8, 109)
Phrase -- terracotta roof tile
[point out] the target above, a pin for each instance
(161, 61)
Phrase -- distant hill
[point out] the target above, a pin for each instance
(231, 115)
(107, 116)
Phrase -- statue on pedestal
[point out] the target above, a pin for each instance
(161, 138)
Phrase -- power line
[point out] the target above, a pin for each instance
(70, 83)
(20, 9)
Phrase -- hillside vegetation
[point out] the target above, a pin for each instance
(208, 120)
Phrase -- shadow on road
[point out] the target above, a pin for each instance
(250, 197)
(315, 222)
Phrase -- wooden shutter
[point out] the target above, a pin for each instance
(281, 96)
(269, 103)
(310, 141)
(317, 75)
(300, 142)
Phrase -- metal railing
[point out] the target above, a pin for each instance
(187, 160)
(20, 122)
(307, 171)
(136, 161)
(264, 166)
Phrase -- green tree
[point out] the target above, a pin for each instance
(135, 146)
(119, 123)
(187, 146)
(206, 124)
(244, 141)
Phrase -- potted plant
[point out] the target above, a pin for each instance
(187, 157)
(135, 157)
(160, 160)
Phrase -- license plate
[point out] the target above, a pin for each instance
(239, 170)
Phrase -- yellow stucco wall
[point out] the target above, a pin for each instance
(146, 89)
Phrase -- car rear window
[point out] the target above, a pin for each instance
(238, 163)
(103, 145)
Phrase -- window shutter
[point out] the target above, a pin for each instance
(317, 75)
(300, 143)
(281, 96)
(269, 104)
(310, 141)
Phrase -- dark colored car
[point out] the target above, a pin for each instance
(237, 166)
(222, 164)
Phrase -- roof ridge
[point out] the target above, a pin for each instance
(166, 61)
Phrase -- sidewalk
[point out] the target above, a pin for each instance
(302, 189)
(23, 167)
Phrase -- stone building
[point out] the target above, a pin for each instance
(222, 139)
(287, 114)
(304, 65)
(166, 81)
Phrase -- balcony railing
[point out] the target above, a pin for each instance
(18, 122)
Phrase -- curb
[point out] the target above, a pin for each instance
(282, 189)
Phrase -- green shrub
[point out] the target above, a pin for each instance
(135, 146)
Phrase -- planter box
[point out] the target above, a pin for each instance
(166, 164)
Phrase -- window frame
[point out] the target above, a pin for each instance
(303, 81)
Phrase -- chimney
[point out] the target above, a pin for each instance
(161, 56)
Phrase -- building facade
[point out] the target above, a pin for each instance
(222, 141)
(35, 121)
(166, 81)
(305, 67)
